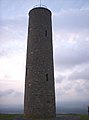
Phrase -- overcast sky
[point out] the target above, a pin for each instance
(70, 19)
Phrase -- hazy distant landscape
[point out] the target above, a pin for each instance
(15, 110)
(62, 108)
(78, 107)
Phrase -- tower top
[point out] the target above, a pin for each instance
(39, 8)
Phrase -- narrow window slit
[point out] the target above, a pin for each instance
(46, 77)
(46, 33)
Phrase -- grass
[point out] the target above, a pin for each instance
(12, 116)
(84, 117)
(9, 116)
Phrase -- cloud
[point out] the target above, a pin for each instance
(15, 8)
(13, 36)
(86, 85)
(68, 87)
(82, 74)
(59, 78)
(12, 84)
(11, 97)
(72, 91)
(6, 93)
(71, 50)
(10, 92)
(12, 29)
(59, 5)
(72, 20)
(18, 94)
(60, 92)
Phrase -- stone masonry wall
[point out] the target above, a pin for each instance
(39, 82)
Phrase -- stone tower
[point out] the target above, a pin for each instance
(39, 99)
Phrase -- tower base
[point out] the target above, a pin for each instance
(39, 116)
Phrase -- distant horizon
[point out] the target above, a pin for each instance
(60, 110)
(64, 108)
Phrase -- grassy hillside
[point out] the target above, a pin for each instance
(12, 116)
(84, 117)
(9, 116)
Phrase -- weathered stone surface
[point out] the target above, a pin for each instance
(39, 83)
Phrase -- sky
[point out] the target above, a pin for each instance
(70, 25)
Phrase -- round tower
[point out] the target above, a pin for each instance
(39, 99)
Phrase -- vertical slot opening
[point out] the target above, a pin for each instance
(46, 77)
(45, 33)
